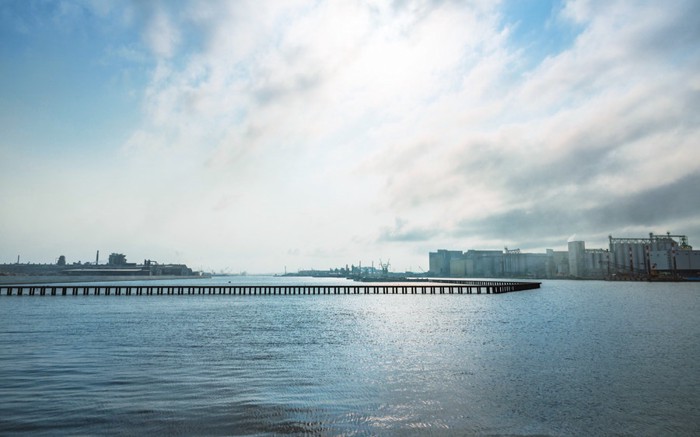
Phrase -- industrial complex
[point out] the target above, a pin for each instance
(656, 257)
(116, 268)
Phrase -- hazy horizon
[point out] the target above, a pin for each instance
(258, 135)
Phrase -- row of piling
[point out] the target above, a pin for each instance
(476, 287)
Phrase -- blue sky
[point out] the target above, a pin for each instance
(312, 134)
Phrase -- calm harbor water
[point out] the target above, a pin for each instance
(572, 358)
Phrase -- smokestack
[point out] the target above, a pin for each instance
(97, 258)
(17, 259)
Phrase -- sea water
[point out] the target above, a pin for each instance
(571, 358)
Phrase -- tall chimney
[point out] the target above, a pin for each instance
(97, 258)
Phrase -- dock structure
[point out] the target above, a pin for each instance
(433, 287)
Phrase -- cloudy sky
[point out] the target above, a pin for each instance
(254, 135)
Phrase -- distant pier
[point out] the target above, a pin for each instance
(433, 287)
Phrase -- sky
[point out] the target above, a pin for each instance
(261, 136)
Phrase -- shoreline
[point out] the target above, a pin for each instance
(61, 279)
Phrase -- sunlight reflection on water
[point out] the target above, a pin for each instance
(571, 358)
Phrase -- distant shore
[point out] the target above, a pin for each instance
(60, 279)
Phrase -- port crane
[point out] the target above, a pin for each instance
(384, 267)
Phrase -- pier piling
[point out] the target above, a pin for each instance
(413, 287)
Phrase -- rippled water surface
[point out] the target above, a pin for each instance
(573, 358)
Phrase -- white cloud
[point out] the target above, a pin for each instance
(162, 35)
(418, 108)
(354, 129)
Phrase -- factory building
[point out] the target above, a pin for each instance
(519, 264)
(476, 264)
(440, 262)
(577, 250)
(587, 263)
(116, 267)
(596, 263)
(659, 256)
(557, 263)
(483, 263)
(495, 264)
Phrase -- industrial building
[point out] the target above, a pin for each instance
(656, 257)
(440, 262)
(660, 256)
(495, 264)
(587, 263)
(117, 266)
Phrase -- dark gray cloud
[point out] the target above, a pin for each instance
(597, 147)
(679, 30)
(402, 233)
(537, 223)
(675, 202)
(671, 202)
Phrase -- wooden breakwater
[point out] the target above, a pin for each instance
(452, 287)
